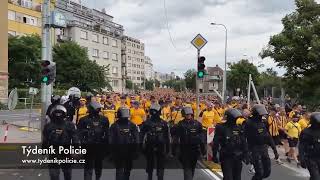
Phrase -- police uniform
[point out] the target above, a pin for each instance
(309, 147)
(259, 139)
(230, 141)
(94, 133)
(155, 134)
(124, 141)
(191, 142)
(59, 132)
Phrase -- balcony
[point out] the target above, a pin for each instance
(214, 78)
(26, 4)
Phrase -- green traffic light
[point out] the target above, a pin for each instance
(45, 79)
(200, 74)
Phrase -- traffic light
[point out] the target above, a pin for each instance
(201, 67)
(48, 72)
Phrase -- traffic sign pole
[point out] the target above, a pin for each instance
(197, 91)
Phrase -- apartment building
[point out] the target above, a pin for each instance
(149, 73)
(134, 60)
(94, 30)
(24, 17)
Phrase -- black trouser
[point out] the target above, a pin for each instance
(54, 171)
(231, 168)
(153, 155)
(123, 167)
(189, 162)
(313, 165)
(261, 162)
(93, 161)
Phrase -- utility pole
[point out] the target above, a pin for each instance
(46, 49)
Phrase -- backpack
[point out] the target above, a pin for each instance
(124, 134)
(232, 139)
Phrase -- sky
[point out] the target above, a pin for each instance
(250, 24)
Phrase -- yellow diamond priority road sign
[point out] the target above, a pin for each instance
(199, 42)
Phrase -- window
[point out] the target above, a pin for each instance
(95, 37)
(129, 64)
(129, 71)
(138, 78)
(105, 55)
(129, 58)
(115, 83)
(134, 65)
(138, 59)
(12, 15)
(128, 43)
(105, 40)
(95, 53)
(26, 3)
(138, 65)
(138, 72)
(83, 35)
(138, 46)
(115, 57)
(114, 70)
(114, 43)
(134, 72)
(13, 33)
(129, 50)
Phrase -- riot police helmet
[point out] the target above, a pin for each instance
(186, 111)
(259, 110)
(232, 115)
(123, 112)
(58, 112)
(155, 109)
(55, 99)
(315, 119)
(94, 108)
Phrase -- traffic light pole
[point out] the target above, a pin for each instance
(46, 90)
(197, 91)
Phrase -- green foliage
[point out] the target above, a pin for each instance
(129, 84)
(176, 84)
(297, 48)
(75, 69)
(267, 80)
(238, 76)
(149, 85)
(24, 60)
(157, 83)
(190, 79)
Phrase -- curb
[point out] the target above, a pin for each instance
(217, 173)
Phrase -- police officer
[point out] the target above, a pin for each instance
(59, 132)
(230, 141)
(190, 138)
(309, 147)
(259, 139)
(124, 141)
(71, 105)
(55, 100)
(94, 134)
(155, 134)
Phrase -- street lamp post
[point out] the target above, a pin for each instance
(224, 88)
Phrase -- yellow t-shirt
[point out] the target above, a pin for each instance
(240, 121)
(283, 121)
(137, 115)
(176, 115)
(303, 123)
(208, 119)
(273, 126)
(218, 115)
(165, 113)
(82, 112)
(110, 113)
(293, 129)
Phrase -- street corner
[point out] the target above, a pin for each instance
(212, 166)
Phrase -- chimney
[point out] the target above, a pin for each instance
(104, 10)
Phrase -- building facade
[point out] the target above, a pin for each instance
(148, 68)
(24, 17)
(213, 80)
(163, 77)
(3, 52)
(95, 31)
(134, 61)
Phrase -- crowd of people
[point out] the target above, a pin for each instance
(282, 124)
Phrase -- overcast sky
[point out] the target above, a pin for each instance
(250, 24)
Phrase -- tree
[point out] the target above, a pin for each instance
(176, 84)
(269, 80)
(129, 84)
(190, 79)
(297, 49)
(149, 85)
(238, 76)
(75, 69)
(24, 60)
(157, 83)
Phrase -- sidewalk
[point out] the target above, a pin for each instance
(15, 135)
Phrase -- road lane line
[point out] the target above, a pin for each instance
(210, 173)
